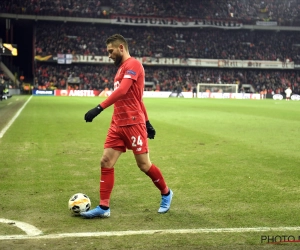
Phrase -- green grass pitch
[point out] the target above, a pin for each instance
(230, 163)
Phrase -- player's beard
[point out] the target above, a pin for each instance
(118, 60)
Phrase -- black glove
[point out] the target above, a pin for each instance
(150, 130)
(91, 114)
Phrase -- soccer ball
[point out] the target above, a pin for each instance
(79, 203)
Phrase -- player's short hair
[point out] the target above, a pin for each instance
(116, 40)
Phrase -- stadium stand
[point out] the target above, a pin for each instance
(210, 43)
(165, 79)
(79, 38)
(285, 12)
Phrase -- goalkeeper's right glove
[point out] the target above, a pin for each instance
(150, 130)
(91, 114)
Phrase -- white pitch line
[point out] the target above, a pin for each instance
(147, 232)
(2, 132)
(27, 228)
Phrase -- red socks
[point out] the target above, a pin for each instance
(107, 180)
(157, 178)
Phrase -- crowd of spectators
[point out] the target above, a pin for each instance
(69, 8)
(100, 77)
(278, 10)
(235, 44)
(243, 10)
(88, 39)
(52, 76)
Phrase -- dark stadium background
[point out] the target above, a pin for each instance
(22, 36)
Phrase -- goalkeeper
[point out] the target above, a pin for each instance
(129, 129)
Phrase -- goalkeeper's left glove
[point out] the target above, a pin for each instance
(150, 130)
(91, 114)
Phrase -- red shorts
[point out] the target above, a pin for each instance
(132, 137)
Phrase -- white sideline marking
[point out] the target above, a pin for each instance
(34, 233)
(13, 119)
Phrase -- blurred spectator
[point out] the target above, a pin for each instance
(7, 81)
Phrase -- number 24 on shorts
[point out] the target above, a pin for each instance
(136, 141)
